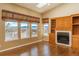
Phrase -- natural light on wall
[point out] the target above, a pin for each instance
(40, 5)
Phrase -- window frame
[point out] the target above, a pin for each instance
(12, 39)
(31, 29)
(20, 28)
(44, 29)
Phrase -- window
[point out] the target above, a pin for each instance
(34, 27)
(45, 29)
(11, 30)
(25, 31)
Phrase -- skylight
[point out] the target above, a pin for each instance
(40, 5)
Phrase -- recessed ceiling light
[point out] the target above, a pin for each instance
(40, 5)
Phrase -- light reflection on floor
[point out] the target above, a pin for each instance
(41, 49)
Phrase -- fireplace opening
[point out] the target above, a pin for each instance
(63, 37)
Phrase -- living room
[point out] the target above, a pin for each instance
(39, 29)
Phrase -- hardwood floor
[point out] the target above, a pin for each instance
(41, 49)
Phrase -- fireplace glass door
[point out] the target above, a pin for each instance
(63, 37)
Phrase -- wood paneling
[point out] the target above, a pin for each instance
(60, 24)
(68, 23)
(64, 23)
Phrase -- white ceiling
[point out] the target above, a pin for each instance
(33, 7)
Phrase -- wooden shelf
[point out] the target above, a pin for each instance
(76, 24)
(52, 28)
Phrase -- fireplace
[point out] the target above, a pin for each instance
(63, 38)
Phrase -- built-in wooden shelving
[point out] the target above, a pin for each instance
(53, 25)
(75, 25)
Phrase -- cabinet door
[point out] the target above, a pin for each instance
(52, 39)
(60, 25)
(75, 42)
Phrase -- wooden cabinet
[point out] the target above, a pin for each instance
(75, 42)
(52, 39)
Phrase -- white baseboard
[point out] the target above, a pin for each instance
(20, 46)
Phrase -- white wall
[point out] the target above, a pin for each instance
(63, 10)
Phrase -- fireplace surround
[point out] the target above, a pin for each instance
(63, 38)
